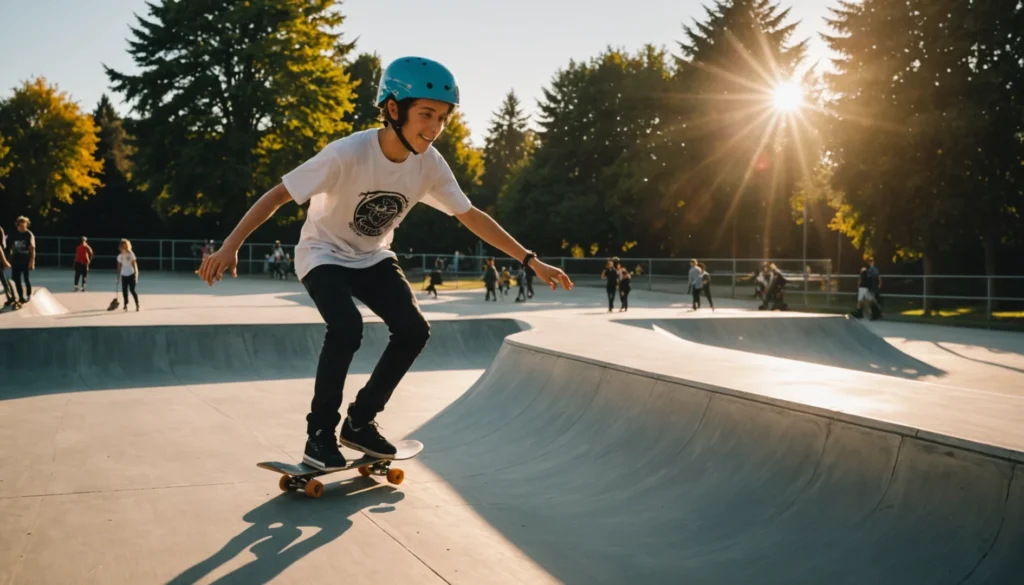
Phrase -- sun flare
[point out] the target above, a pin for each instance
(787, 97)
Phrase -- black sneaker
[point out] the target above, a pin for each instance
(366, 439)
(322, 452)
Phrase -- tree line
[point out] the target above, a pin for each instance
(908, 145)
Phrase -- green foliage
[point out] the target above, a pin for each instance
(230, 96)
(117, 209)
(592, 116)
(50, 145)
(927, 124)
(507, 149)
(365, 74)
(642, 155)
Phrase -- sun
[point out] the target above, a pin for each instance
(787, 97)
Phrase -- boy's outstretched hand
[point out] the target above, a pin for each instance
(215, 264)
(551, 275)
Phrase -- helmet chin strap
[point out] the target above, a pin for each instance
(398, 130)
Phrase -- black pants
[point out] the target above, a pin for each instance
(384, 289)
(491, 292)
(8, 289)
(624, 295)
(696, 297)
(611, 297)
(81, 271)
(707, 293)
(128, 284)
(529, 287)
(19, 272)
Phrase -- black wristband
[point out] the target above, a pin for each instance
(529, 256)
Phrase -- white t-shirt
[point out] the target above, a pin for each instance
(126, 259)
(358, 197)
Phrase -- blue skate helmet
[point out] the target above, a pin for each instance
(415, 78)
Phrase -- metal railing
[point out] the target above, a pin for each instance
(812, 284)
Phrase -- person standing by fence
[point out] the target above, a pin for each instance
(625, 286)
(610, 275)
(695, 282)
(706, 284)
(83, 258)
(23, 258)
(491, 281)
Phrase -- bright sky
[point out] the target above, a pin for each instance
(491, 47)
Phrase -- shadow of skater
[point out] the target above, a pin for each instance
(277, 524)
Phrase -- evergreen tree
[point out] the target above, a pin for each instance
(928, 123)
(117, 209)
(737, 163)
(51, 145)
(365, 74)
(508, 145)
(231, 95)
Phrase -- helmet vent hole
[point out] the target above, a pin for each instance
(448, 87)
(430, 85)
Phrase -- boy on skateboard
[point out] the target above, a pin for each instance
(360, 188)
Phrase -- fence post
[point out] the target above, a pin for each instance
(650, 274)
(172, 255)
(988, 298)
(734, 275)
(250, 260)
(58, 251)
(828, 283)
(160, 246)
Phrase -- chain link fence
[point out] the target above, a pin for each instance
(812, 284)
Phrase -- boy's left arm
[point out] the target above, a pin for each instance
(488, 230)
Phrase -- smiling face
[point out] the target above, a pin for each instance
(425, 121)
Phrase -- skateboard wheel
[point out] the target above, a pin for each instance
(314, 488)
(364, 470)
(395, 476)
(285, 483)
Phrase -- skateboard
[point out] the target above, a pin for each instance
(302, 477)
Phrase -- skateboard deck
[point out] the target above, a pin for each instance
(302, 477)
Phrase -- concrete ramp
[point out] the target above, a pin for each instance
(67, 359)
(43, 304)
(827, 340)
(603, 475)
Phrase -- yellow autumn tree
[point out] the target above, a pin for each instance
(51, 150)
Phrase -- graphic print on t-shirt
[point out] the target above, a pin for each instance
(377, 211)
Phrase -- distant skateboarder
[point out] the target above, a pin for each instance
(359, 188)
(83, 258)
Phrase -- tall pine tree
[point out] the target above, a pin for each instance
(117, 209)
(230, 95)
(736, 164)
(928, 123)
(508, 146)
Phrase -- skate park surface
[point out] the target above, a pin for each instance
(563, 444)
